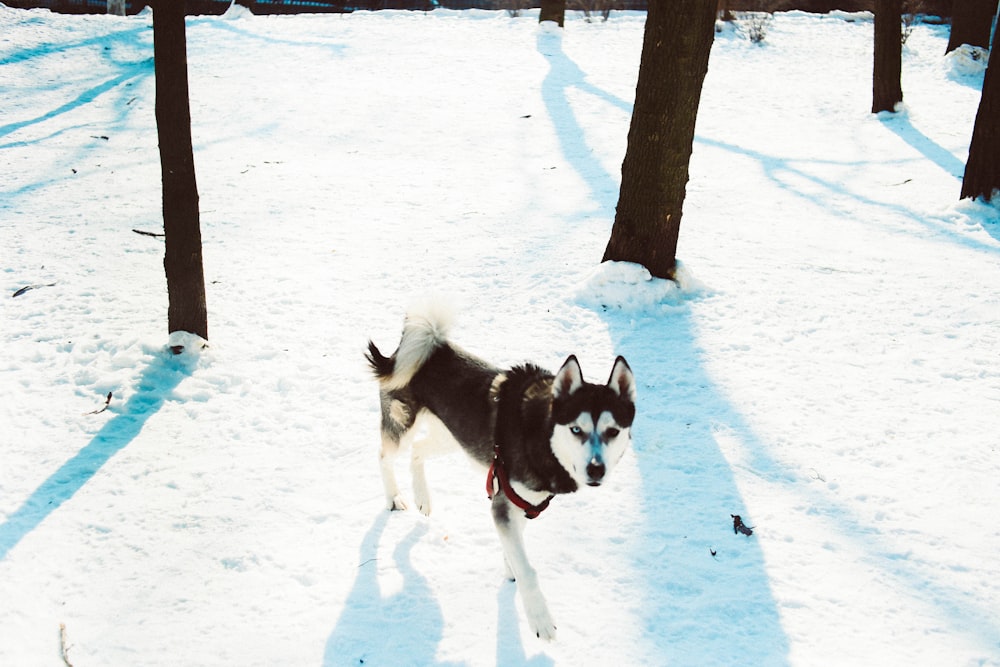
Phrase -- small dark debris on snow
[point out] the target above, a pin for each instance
(107, 402)
(142, 233)
(28, 288)
(713, 552)
(740, 527)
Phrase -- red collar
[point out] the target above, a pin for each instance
(497, 475)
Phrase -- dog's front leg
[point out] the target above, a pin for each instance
(510, 527)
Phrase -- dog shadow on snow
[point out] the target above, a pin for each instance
(406, 626)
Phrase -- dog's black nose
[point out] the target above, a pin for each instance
(595, 471)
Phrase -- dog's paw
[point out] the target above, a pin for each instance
(539, 618)
(542, 625)
(424, 507)
(396, 503)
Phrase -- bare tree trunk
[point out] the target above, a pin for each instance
(971, 21)
(675, 50)
(887, 91)
(116, 7)
(181, 223)
(723, 13)
(553, 10)
(982, 171)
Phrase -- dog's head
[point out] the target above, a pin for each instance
(593, 422)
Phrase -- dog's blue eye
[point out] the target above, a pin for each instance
(575, 430)
(611, 433)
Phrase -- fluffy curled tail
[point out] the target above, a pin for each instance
(424, 330)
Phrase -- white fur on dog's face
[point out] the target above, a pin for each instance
(588, 450)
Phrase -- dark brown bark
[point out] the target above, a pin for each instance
(182, 261)
(971, 21)
(675, 50)
(982, 171)
(552, 10)
(887, 91)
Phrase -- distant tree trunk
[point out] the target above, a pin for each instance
(181, 224)
(982, 171)
(971, 21)
(553, 10)
(887, 90)
(723, 13)
(116, 7)
(675, 49)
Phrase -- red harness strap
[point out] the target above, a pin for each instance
(498, 473)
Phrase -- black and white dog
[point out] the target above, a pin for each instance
(539, 435)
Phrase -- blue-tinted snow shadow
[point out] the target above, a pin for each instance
(696, 608)
(700, 609)
(240, 29)
(900, 125)
(154, 387)
(787, 173)
(135, 38)
(401, 629)
(563, 75)
(62, 118)
(707, 597)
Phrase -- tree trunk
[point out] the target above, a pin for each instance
(675, 50)
(887, 91)
(181, 224)
(971, 21)
(116, 7)
(553, 10)
(982, 171)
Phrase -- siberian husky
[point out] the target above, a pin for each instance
(538, 434)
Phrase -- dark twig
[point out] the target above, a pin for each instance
(27, 288)
(107, 402)
(154, 234)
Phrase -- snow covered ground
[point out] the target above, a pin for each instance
(828, 369)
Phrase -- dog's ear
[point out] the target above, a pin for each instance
(622, 382)
(568, 379)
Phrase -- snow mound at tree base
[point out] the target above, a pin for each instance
(630, 288)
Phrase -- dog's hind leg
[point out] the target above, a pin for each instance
(510, 522)
(421, 492)
(387, 458)
(397, 420)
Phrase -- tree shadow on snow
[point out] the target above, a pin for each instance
(395, 630)
(134, 39)
(564, 75)
(154, 388)
(705, 597)
(901, 126)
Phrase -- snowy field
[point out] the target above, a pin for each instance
(828, 369)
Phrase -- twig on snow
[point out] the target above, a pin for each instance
(27, 288)
(153, 234)
(63, 649)
(107, 402)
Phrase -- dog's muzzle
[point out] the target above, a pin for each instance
(595, 471)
